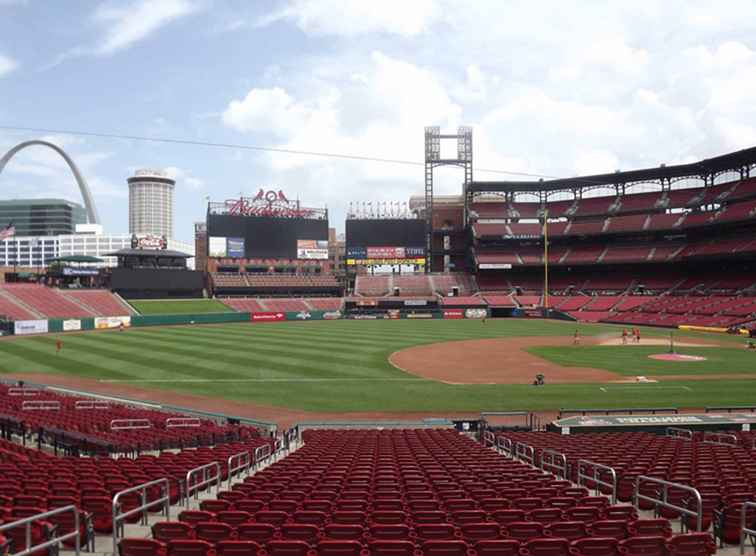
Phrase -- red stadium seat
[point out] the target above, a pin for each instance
(238, 548)
(141, 547)
(595, 546)
(184, 547)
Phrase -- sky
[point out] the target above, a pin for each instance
(551, 88)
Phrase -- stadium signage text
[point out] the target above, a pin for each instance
(267, 317)
(268, 203)
(148, 242)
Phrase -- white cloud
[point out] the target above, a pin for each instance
(127, 25)
(7, 65)
(185, 178)
(335, 17)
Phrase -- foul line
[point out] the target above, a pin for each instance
(237, 380)
(652, 386)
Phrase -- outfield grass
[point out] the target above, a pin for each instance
(179, 306)
(342, 365)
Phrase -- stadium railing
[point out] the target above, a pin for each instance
(616, 411)
(677, 432)
(238, 463)
(118, 516)
(595, 477)
(207, 479)
(56, 540)
(554, 462)
(663, 499)
(721, 438)
(746, 532)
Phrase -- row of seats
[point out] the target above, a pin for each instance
(33, 301)
(414, 284)
(624, 204)
(617, 224)
(283, 304)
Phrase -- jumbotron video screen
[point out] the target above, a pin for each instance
(268, 226)
(377, 242)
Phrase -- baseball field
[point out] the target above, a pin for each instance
(377, 368)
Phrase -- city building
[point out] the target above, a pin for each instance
(337, 252)
(151, 203)
(38, 251)
(41, 217)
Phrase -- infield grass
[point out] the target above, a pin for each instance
(343, 365)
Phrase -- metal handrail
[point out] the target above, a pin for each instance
(526, 453)
(262, 453)
(22, 391)
(663, 501)
(679, 433)
(554, 457)
(743, 529)
(504, 445)
(75, 534)
(179, 422)
(244, 463)
(92, 404)
(128, 424)
(489, 439)
(119, 516)
(723, 438)
(42, 405)
(597, 467)
(206, 479)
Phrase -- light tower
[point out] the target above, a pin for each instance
(433, 138)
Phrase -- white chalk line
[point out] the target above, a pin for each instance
(650, 386)
(239, 380)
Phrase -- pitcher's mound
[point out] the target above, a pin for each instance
(676, 357)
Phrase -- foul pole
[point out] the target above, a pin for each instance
(546, 259)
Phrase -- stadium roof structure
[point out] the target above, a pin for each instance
(153, 253)
(76, 259)
(739, 161)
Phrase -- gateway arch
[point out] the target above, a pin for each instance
(86, 195)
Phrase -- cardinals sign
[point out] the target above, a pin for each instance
(269, 203)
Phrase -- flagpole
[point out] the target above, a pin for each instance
(546, 259)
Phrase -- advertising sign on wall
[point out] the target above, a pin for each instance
(494, 266)
(392, 262)
(420, 316)
(454, 313)
(386, 253)
(30, 327)
(216, 246)
(235, 247)
(475, 313)
(72, 324)
(312, 249)
(267, 317)
(70, 271)
(112, 322)
(415, 302)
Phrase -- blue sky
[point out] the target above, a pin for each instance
(556, 89)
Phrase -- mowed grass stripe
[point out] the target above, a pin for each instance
(274, 359)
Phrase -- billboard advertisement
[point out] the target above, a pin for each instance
(21, 327)
(267, 317)
(454, 313)
(390, 262)
(235, 247)
(70, 271)
(216, 246)
(476, 313)
(111, 322)
(71, 324)
(385, 253)
(313, 249)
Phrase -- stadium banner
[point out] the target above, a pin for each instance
(415, 302)
(419, 316)
(393, 314)
(392, 262)
(216, 246)
(267, 316)
(112, 322)
(476, 313)
(71, 324)
(332, 315)
(494, 266)
(411, 252)
(312, 315)
(21, 327)
(312, 249)
(356, 253)
(70, 271)
(363, 317)
(386, 253)
(454, 313)
(235, 247)
(367, 303)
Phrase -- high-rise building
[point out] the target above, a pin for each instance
(151, 203)
(41, 217)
